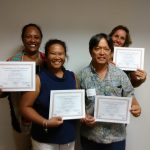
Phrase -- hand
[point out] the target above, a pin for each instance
(54, 122)
(136, 110)
(139, 75)
(88, 120)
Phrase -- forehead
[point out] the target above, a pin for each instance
(103, 42)
(121, 32)
(31, 29)
(56, 47)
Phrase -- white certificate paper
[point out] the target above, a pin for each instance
(68, 104)
(112, 109)
(129, 59)
(17, 76)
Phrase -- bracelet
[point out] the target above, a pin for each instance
(45, 126)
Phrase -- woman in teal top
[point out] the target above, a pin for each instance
(31, 37)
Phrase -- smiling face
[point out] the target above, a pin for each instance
(101, 53)
(32, 40)
(119, 38)
(56, 56)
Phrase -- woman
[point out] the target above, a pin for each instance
(121, 38)
(103, 78)
(51, 133)
(31, 38)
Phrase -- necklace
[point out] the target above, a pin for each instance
(35, 58)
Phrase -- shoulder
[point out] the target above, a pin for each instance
(115, 70)
(69, 73)
(85, 70)
(84, 73)
(16, 57)
(67, 70)
(42, 55)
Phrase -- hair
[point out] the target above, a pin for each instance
(128, 40)
(31, 25)
(94, 41)
(52, 42)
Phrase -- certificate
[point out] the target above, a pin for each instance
(17, 76)
(129, 59)
(68, 104)
(112, 109)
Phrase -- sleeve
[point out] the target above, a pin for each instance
(127, 87)
(89, 101)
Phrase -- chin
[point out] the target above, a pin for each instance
(33, 51)
(56, 67)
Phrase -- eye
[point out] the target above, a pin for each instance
(37, 37)
(116, 36)
(27, 36)
(97, 48)
(123, 38)
(106, 48)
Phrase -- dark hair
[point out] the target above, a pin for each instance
(94, 41)
(30, 25)
(52, 42)
(128, 40)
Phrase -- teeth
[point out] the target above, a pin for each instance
(56, 62)
(33, 45)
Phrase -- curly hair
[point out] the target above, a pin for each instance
(128, 40)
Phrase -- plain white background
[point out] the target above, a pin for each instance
(75, 21)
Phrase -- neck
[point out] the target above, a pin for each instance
(31, 53)
(31, 57)
(57, 72)
(101, 70)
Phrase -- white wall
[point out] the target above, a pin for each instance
(75, 22)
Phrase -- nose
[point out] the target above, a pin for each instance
(57, 56)
(102, 51)
(118, 40)
(33, 39)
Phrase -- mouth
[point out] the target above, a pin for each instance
(57, 62)
(102, 58)
(117, 44)
(32, 45)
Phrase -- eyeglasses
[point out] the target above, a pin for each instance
(105, 49)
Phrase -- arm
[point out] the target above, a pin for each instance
(128, 91)
(135, 107)
(27, 110)
(77, 82)
(138, 77)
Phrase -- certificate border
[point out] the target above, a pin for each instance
(112, 98)
(32, 75)
(57, 92)
(141, 50)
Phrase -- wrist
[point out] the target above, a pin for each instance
(45, 127)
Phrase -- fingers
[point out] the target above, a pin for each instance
(136, 110)
(55, 121)
(59, 120)
(88, 120)
(140, 74)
